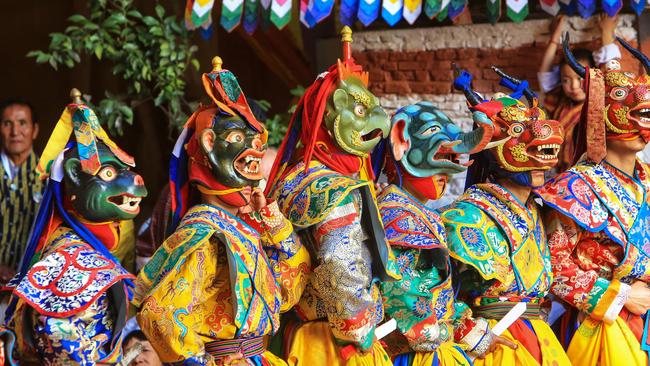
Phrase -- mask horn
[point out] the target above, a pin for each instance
(571, 60)
(638, 54)
(513, 81)
(462, 82)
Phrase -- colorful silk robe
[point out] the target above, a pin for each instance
(339, 222)
(422, 302)
(219, 277)
(72, 304)
(500, 246)
(599, 234)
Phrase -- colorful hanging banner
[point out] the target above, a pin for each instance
(391, 11)
(306, 17)
(444, 11)
(586, 8)
(612, 7)
(568, 7)
(317, 10)
(637, 6)
(348, 11)
(231, 12)
(368, 11)
(251, 15)
(432, 8)
(412, 10)
(265, 13)
(198, 14)
(550, 6)
(456, 7)
(517, 10)
(280, 13)
(493, 10)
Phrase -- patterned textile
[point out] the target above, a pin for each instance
(500, 249)
(422, 302)
(219, 277)
(599, 234)
(66, 297)
(19, 199)
(70, 278)
(343, 230)
(502, 239)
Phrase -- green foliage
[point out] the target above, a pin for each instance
(150, 52)
(278, 124)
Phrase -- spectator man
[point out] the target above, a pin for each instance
(20, 187)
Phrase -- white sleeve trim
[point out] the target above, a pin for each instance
(549, 80)
(606, 53)
(617, 305)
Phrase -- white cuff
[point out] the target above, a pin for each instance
(617, 305)
(549, 80)
(606, 53)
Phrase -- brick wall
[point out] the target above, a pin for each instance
(410, 65)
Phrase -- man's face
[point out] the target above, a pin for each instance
(17, 129)
(148, 355)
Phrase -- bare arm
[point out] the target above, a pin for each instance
(553, 44)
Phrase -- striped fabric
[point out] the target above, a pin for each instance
(19, 198)
(248, 347)
(498, 310)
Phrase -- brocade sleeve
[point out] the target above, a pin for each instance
(343, 277)
(289, 259)
(584, 289)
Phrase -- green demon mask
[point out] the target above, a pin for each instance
(234, 150)
(354, 115)
(427, 143)
(112, 194)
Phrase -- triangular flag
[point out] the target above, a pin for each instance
(612, 7)
(493, 10)
(348, 11)
(456, 7)
(391, 11)
(550, 6)
(637, 6)
(432, 8)
(368, 11)
(444, 11)
(586, 8)
(280, 13)
(412, 10)
(569, 7)
(231, 12)
(251, 15)
(517, 10)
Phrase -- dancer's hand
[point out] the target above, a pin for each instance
(496, 341)
(638, 302)
(257, 202)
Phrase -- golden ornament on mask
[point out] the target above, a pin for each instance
(356, 139)
(617, 79)
(511, 114)
(621, 115)
(512, 168)
(362, 98)
(519, 152)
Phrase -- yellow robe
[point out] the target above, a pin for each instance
(212, 279)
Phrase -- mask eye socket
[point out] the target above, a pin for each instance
(235, 137)
(107, 174)
(430, 131)
(359, 110)
(618, 93)
(516, 129)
